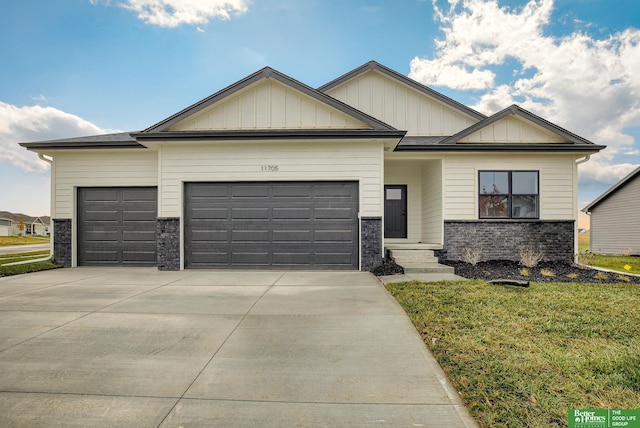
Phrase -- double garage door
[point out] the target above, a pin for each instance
(280, 225)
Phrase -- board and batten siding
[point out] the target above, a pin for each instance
(432, 202)
(615, 222)
(557, 180)
(512, 130)
(400, 106)
(272, 161)
(268, 104)
(409, 174)
(99, 169)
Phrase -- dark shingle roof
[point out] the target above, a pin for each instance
(105, 141)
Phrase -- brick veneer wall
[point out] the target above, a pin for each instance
(62, 240)
(168, 234)
(371, 251)
(501, 240)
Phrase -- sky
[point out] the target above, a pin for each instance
(85, 67)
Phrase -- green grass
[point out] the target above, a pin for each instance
(522, 357)
(27, 268)
(23, 240)
(616, 263)
(10, 258)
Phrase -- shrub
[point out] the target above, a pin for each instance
(623, 278)
(601, 276)
(471, 255)
(548, 273)
(572, 275)
(524, 272)
(587, 258)
(530, 257)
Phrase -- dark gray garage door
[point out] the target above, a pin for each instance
(117, 226)
(288, 225)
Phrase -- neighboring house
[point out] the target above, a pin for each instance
(5, 227)
(615, 222)
(33, 226)
(271, 173)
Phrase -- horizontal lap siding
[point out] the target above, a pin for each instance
(102, 168)
(432, 202)
(615, 223)
(556, 183)
(308, 161)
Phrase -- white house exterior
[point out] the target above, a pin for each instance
(615, 223)
(271, 173)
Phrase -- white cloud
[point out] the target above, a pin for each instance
(172, 13)
(590, 86)
(34, 123)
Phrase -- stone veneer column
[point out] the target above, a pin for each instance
(168, 234)
(62, 241)
(371, 249)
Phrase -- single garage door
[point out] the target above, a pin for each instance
(117, 226)
(287, 225)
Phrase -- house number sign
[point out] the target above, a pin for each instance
(269, 168)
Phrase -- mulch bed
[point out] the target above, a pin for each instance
(503, 269)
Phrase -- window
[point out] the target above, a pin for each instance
(509, 194)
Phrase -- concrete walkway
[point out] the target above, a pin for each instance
(142, 348)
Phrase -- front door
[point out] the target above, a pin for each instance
(395, 211)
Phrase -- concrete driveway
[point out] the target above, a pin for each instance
(143, 348)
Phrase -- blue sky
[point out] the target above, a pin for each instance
(83, 67)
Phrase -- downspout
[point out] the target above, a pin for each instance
(583, 160)
(575, 233)
(50, 162)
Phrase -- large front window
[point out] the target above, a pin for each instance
(509, 194)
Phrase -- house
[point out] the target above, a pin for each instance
(272, 173)
(33, 226)
(615, 222)
(6, 227)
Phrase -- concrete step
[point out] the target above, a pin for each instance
(421, 268)
(413, 256)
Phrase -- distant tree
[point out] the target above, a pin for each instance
(21, 227)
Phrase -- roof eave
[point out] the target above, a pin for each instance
(493, 147)
(268, 134)
(38, 146)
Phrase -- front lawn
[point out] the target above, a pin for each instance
(23, 240)
(522, 357)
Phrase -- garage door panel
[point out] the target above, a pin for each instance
(139, 195)
(103, 215)
(117, 226)
(208, 235)
(292, 213)
(240, 191)
(333, 213)
(292, 236)
(279, 224)
(253, 236)
(210, 213)
(137, 216)
(139, 236)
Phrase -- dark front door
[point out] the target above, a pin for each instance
(395, 211)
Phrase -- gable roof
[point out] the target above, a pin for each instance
(376, 127)
(373, 65)
(573, 141)
(620, 184)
